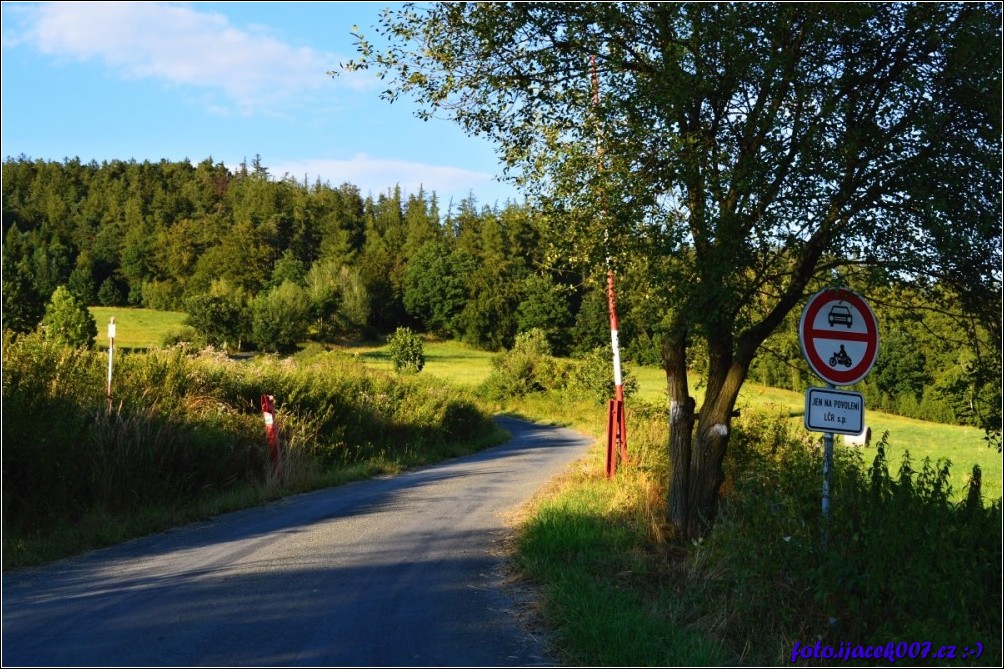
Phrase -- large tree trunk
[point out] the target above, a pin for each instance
(696, 460)
(681, 429)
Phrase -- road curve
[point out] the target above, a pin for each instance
(396, 571)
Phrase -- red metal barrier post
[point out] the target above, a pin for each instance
(616, 423)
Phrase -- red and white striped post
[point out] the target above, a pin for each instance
(271, 432)
(616, 423)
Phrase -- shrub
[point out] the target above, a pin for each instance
(407, 351)
(592, 376)
(901, 562)
(68, 321)
(526, 368)
(183, 335)
(280, 318)
(221, 318)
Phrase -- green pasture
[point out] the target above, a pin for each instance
(135, 328)
(459, 363)
(451, 361)
(962, 446)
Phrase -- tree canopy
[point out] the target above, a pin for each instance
(742, 155)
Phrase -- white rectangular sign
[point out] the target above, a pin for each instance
(837, 411)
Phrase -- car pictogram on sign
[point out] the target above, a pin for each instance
(840, 314)
(839, 336)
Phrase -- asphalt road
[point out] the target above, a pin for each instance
(397, 571)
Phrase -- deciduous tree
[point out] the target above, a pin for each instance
(67, 320)
(746, 152)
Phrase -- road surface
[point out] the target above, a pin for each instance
(397, 571)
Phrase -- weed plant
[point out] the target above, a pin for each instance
(901, 561)
(904, 561)
(187, 428)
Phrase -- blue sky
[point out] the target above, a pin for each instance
(151, 81)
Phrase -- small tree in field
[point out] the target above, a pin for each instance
(407, 351)
(280, 318)
(68, 321)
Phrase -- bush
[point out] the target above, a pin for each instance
(222, 319)
(526, 368)
(901, 563)
(407, 351)
(182, 336)
(592, 377)
(280, 318)
(68, 321)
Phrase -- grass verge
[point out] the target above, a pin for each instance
(906, 561)
(185, 439)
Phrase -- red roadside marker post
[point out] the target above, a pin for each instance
(616, 423)
(271, 432)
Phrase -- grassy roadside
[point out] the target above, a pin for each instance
(617, 593)
(185, 439)
(908, 564)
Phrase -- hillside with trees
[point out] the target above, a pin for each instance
(260, 262)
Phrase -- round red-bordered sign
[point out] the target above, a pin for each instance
(839, 336)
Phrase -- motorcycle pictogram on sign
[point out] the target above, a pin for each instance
(839, 336)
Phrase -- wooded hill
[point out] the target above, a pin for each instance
(267, 262)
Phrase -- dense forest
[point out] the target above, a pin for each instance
(264, 262)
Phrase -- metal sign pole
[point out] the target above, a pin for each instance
(827, 480)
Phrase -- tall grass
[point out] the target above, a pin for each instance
(187, 430)
(906, 559)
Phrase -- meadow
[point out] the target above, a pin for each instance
(135, 328)
(964, 447)
(910, 553)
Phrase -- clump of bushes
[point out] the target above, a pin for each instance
(407, 351)
(528, 367)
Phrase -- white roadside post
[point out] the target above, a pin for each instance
(111, 352)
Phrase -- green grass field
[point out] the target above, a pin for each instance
(135, 328)
(962, 446)
(459, 363)
(449, 360)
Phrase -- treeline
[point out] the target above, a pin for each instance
(212, 242)
(264, 262)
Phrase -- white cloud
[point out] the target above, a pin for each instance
(181, 46)
(375, 175)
